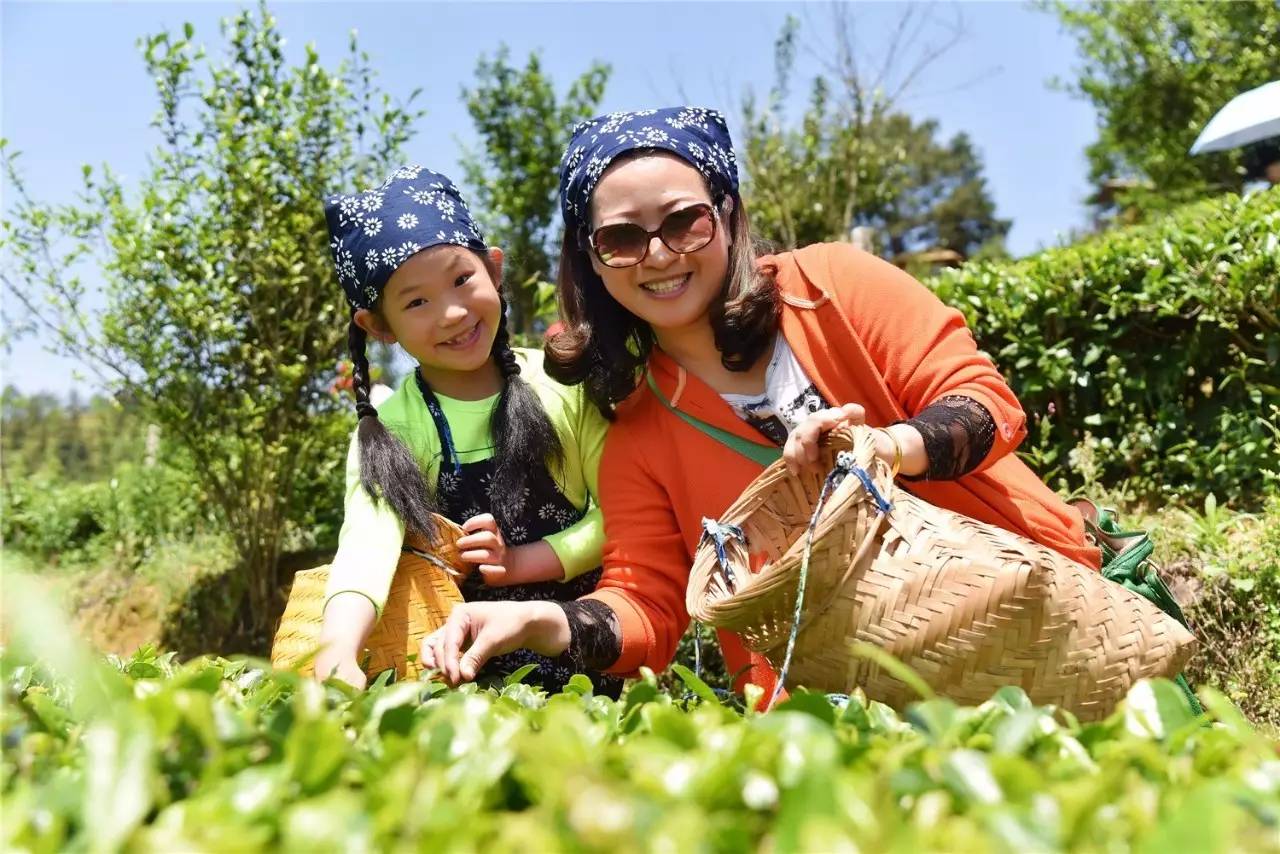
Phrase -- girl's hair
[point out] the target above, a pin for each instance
(605, 347)
(523, 437)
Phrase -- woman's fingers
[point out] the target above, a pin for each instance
(803, 445)
(437, 651)
(427, 653)
(489, 641)
(455, 634)
(489, 627)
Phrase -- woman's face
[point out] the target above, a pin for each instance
(668, 290)
(442, 306)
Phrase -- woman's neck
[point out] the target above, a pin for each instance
(694, 348)
(485, 381)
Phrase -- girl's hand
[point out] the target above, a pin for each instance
(487, 629)
(330, 663)
(348, 618)
(485, 547)
(801, 448)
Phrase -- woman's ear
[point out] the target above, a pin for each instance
(374, 326)
(726, 211)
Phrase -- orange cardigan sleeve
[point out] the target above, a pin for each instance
(646, 564)
(923, 348)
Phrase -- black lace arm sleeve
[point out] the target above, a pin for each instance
(958, 434)
(595, 637)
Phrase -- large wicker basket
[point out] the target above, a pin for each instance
(422, 594)
(969, 606)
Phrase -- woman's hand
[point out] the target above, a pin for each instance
(486, 629)
(899, 443)
(801, 449)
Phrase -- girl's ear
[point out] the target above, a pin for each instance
(496, 257)
(374, 326)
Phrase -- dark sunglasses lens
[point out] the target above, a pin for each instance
(690, 229)
(620, 245)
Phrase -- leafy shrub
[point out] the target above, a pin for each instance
(1156, 349)
(48, 518)
(124, 517)
(219, 755)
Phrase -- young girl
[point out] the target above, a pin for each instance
(678, 329)
(507, 452)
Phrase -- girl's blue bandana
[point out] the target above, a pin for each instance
(697, 135)
(374, 232)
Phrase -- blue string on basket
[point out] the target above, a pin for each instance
(844, 466)
(720, 534)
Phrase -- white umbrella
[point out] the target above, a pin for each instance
(1246, 118)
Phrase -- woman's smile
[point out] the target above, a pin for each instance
(667, 287)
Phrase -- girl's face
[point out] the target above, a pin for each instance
(442, 306)
(668, 290)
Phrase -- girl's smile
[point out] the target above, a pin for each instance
(465, 340)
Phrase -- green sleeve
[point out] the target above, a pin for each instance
(368, 544)
(580, 546)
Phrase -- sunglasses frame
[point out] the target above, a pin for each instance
(588, 239)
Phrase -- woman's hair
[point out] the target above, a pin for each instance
(523, 437)
(605, 347)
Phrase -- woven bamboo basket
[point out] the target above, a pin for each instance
(969, 606)
(422, 594)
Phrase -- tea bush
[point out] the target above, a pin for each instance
(218, 755)
(1154, 350)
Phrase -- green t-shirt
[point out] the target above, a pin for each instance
(371, 537)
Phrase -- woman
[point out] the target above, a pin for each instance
(674, 325)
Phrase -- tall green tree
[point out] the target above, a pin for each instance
(854, 159)
(1156, 73)
(523, 127)
(222, 316)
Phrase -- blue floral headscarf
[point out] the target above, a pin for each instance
(697, 135)
(373, 232)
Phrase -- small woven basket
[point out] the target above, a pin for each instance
(422, 594)
(969, 606)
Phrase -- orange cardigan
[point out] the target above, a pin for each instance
(865, 332)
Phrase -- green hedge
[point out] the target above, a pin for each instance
(1147, 356)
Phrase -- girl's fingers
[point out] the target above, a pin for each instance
(483, 522)
(480, 540)
(481, 556)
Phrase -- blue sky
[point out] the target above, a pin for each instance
(74, 89)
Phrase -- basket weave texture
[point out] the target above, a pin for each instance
(421, 597)
(969, 606)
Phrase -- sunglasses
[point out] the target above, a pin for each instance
(626, 244)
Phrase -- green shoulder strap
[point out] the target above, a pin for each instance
(764, 455)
